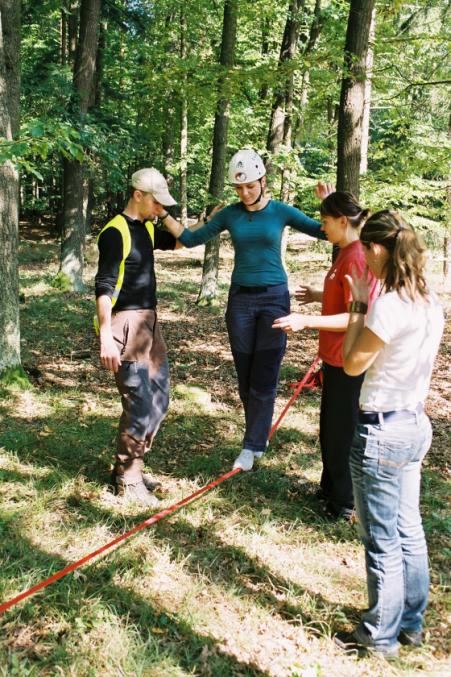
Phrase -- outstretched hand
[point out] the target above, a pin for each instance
(217, 208)
(323, 189)
(305, 294)
(359, 284)
(290, 323)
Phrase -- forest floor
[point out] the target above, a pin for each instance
(251, 579)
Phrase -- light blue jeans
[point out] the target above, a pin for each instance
(385, 468)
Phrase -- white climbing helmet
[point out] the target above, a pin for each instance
(246, 166)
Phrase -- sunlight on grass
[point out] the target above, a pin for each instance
(251, 580)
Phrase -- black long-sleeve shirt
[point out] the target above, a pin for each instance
(139, 285)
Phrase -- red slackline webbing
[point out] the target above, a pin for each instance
(147, 523)
(155, 518)
(301, 384)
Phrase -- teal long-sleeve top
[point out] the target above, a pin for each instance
(256, 238)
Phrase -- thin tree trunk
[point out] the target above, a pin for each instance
(72, 30)
(183, 129)
(280, 126)
(448, 200)
(349, 135)
(63, 36)
(168, 143)
(168, 137)
(310, 42)
(266, 32)
(75, 192)
(277, 128)
(210, 270)
(9, 187)
(367, 96)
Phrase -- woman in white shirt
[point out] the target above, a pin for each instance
(396, 348)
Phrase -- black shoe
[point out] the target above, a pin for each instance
(360, 642)
(334, 511)
(410, 638)
(321, 496)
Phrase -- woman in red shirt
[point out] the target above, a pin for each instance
(341, 217)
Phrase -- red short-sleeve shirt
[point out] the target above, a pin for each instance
(337, 295)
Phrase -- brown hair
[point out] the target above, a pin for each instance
(342, 203)
(404, 269)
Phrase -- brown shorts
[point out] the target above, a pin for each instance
(138, 337)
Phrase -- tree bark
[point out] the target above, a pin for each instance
(75, 197)
(63, 37)
(72, 30)
(210, 270)
(277, 126)
(280, 125)
(446, 247)
(183, 129)
(367, 97)
(310, 42)
(350, 117)
(9, 186)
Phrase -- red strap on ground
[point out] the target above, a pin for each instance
(147, 523)
(155, 518)
(298, 387)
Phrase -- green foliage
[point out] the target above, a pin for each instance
(14, 377)
(61, 281)
(144, 79)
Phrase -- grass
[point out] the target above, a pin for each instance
(249, 580)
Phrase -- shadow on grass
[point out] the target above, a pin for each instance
(162, 633)
(230, 566)
(187, 446)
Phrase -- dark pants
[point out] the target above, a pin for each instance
(143, 383)
(257, 351)
(338, 419)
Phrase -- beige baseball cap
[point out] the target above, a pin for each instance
(150, 180)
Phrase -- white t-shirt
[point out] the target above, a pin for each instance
(400, 375)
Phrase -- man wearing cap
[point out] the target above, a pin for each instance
(131, 344)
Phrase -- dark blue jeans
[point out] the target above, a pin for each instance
(257, 351)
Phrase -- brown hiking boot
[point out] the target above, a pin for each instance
(136, 491)
(133, 488)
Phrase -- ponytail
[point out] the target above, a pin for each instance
(406, 262)
(342, 203)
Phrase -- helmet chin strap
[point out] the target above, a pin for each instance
(260, 196)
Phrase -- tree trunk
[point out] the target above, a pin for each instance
(349, 135)
(266, 32)
(72, 30)
(63, 37)
(9, 187)
(367, 97)
(310, 42)
(210, 270)
(75, 199)
(168, 143)
(277, 127)
(446, 247)
(183, 129)
(280, 126)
